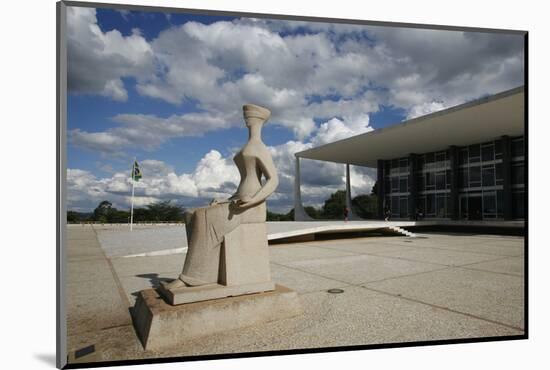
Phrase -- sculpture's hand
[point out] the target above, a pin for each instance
(214, 202)
(244, 201)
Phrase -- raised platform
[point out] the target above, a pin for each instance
(292, 229)
(160, 325)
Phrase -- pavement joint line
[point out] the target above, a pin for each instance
(359, 284)
(442, 264)
(120, 288)
(405, 276)
(445, 308)
(351, 254)
(496, 259)
(374, 254)
(451, 250)
(360, 253)
(491, 272)
(314, 274)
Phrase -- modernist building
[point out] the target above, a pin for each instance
(463, 163)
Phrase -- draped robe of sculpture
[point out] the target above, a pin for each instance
(208, 226)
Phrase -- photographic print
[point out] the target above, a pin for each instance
(235, 184)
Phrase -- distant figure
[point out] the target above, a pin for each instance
(387, 214)
(346, 213)
(418, 215)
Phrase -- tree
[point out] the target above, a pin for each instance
(73, 217)
(374, 190)
(164, 211)
(103, 211)
(365, 206)
(334, 206)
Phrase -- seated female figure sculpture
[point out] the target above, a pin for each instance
(207, 226)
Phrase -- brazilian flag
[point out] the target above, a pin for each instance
(136, 172)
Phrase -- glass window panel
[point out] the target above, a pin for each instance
(463, 177)
(403, 206)
(475, 176)
(421, 204)
(395, 184)
(387, 188)
(498, 171)
(394, 167)
(487, 153)
(440, 180)
(448, 178)
(403, 165)
(430, 204)
(518, 204)
(517, 174)
(489, 203)
(420, 182)
(420, 163)
(440, 159)
(464, 207)
(498, 149)
(430, 180)
(448, 207)
(403, 184)
(517, 147)
(430, 158)
(463, 156)
(500, 203)
(395, 206)
(440, 210)
(474, 153)
(488, 176)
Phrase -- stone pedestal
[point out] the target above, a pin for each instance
(162, 325)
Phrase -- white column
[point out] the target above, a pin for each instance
(299, 211)
(348, 193)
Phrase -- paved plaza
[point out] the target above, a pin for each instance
(395, 289)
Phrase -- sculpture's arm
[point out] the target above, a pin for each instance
(272, 181)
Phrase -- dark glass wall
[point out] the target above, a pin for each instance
(479, 170)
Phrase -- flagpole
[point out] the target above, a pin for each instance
(132, 206)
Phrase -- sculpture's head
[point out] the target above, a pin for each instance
(255, 115)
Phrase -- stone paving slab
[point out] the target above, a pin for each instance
(361, 268)
(495, 297)
(477, 246)
(301, 281)
(120, 241)
(95, 302)
(282, 253)
(86, 270)
(95, 305)
(361, 246)
(508, 265)
(437, 256)
(131, 266)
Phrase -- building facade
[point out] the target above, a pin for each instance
(463, 163)
(481, 181)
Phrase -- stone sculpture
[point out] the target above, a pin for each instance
(227, 241)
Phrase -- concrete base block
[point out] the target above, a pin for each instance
(212, 291)
(161, 325)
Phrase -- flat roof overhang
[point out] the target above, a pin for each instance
(470, 123)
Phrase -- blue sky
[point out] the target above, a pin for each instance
(168, 89)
